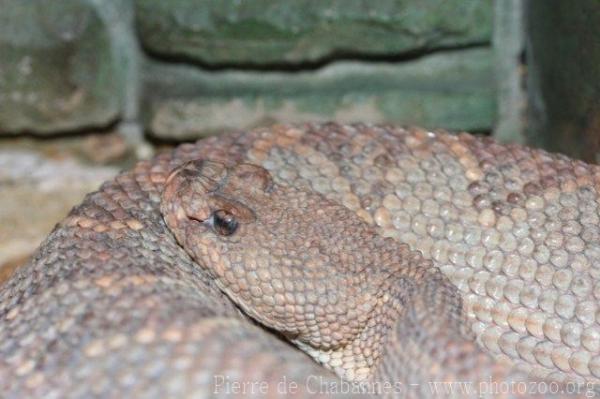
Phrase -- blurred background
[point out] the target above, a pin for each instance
(87, 87)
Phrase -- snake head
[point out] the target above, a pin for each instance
(284, 255)
(212, 195)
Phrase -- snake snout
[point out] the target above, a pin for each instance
(208, 174)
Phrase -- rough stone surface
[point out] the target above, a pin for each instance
(564, 76)
(453, 90)
(272, 31)
(73, 65)
(58, 70)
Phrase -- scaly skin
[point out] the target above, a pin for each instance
(111, 303)
(311, 269)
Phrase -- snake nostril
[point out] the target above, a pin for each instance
(195, 219)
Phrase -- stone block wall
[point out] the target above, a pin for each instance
(181, 69)
(59, 70)
(263, 32)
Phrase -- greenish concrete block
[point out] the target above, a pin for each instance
(258, 32)
(453, 90)
(58, 70)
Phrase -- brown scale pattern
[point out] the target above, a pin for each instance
(111, 303)
(515, 229)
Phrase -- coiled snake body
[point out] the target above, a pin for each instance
(392, 258)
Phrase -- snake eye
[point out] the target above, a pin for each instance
(223, 222)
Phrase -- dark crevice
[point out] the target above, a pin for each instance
(166, 142)
(80, 131)
(306, 66)
(476, 132)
